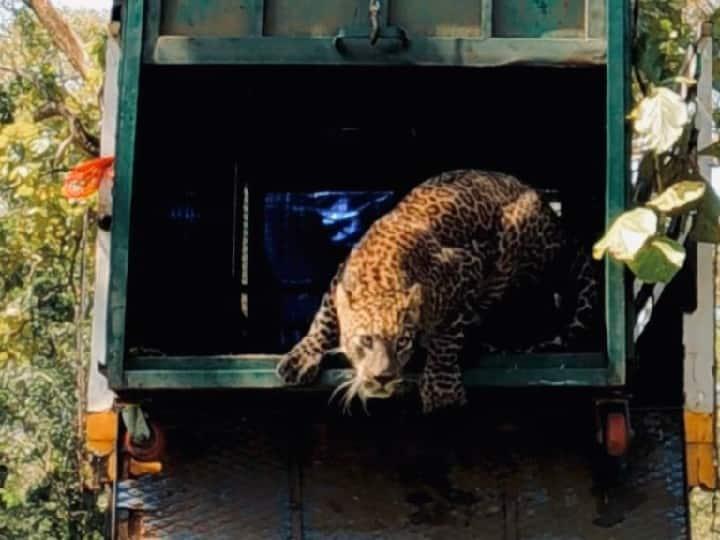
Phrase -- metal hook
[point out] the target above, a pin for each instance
(374, 11)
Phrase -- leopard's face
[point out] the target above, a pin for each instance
(377, 338)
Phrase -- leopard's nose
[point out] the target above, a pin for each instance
(385, 378)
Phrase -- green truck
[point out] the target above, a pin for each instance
(231, 208)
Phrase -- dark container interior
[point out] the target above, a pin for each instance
(243, 207)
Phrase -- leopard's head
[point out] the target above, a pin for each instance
(376, 335)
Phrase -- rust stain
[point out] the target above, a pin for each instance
(309, 18)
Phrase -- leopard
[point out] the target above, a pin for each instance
(431, 269)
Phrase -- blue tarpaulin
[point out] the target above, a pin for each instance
(306, 236)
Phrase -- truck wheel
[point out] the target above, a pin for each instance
(150, 450)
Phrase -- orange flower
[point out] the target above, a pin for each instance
(84, 179)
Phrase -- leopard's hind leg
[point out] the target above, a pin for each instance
(579, 303)
(441, 383)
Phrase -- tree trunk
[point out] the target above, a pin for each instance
(62, 35)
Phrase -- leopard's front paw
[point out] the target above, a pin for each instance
(439, 396)
(296, 368)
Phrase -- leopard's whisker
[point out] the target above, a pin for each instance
(352, 391)
(363, 400)
(339, 388)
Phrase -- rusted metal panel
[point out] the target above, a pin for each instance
(464, 19)
(313, 18)
(439, 18)
(218, 18)
(596, 19)
(539, 18)
(178, 50)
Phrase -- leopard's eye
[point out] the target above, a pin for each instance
(366, 341)
(403, 342)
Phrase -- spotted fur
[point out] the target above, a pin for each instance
(426, 271)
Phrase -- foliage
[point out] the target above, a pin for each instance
(46, 260)
(669, 188)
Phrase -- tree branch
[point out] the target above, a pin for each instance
(86, 140)
(62, 35)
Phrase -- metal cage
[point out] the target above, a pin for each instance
(186, 43)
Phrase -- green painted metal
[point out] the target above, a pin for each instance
(470, 19)
(539, 18)
(440, 18)
(204, 379)
(617, 318)
(257, 371)
(268, 361)
(312, 18)
(151, 27)
(597, 19)
(460, 33)
(129, 84)
(174, 50)
(212, 17)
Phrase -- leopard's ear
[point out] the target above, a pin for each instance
(343, 301)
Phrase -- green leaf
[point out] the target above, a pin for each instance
(25, 191)
(627, 235)
(19, 173)
(707, 221)
(660, 118)
(684, 80)
(20, 130)
(679, 198)
(713, 150)
(648, 58)
(40, 452)
(658, 261)
(10, 498)
(40, 146)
